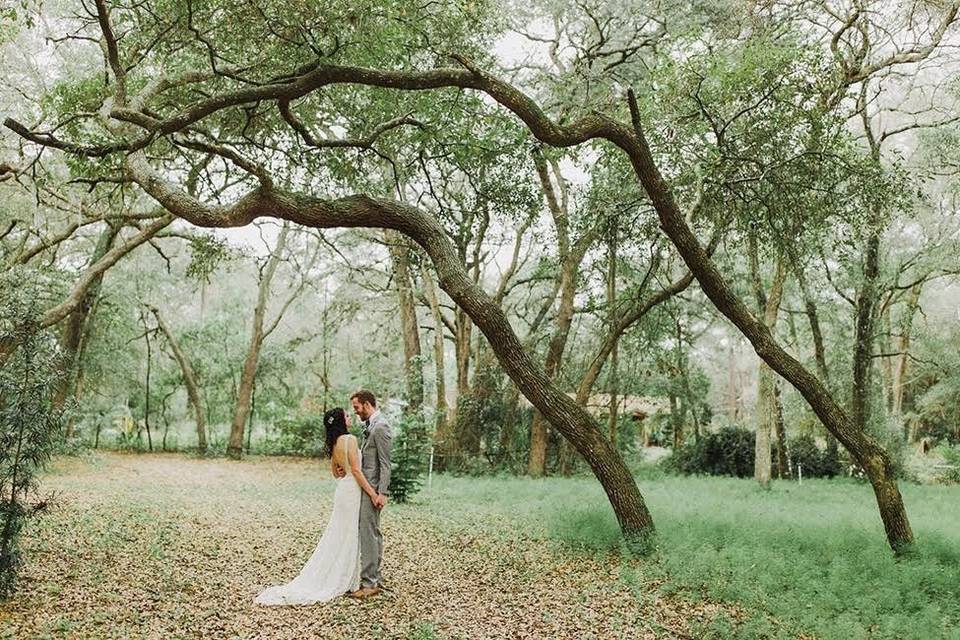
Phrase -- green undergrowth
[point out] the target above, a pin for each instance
(797, 559)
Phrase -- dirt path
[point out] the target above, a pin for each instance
(164, 546)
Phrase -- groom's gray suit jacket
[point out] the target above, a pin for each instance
(375, 455)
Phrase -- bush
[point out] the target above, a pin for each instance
(29, 427)
(727, 452)
(300, 436)
(815, 463)
(951, 458)
(408, 458)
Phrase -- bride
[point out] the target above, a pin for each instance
(334, 567)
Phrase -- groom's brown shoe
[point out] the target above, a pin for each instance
(365, 592)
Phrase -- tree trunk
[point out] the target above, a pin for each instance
(537, 460)
(166, 420)
(251, 414)
(765, 422)
(74, 329)
(189, 379)
(614, 410)
(766, 411)
(784, 463)
(88, 329)
(413, 362)
(462, 334)
(551, 367)
(675, 425)
(509, 429)
(441, 417)
(733, 391)
(902, 361)
(678, 404)
(92, 275)
(613, 380)
(363, 211)
(819, 351)
(864, 333)
(146, 403)
(241, 409)
(463, 327)
(471, 427)
(570, 259)
(864, 448)
(886, 362)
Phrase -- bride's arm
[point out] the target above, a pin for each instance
(337, 470)
(353, 458)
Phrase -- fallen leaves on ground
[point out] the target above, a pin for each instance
(166, 546)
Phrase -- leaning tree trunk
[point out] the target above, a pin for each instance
(863, 447)
(248, 375)
(74, 329)
(92, 275)
(189, 379)
(363, 211)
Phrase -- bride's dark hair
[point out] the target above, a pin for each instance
(335, 421)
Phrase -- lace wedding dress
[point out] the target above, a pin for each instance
(334, 567)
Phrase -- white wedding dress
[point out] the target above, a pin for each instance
(334, 567)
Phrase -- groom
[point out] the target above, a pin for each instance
(375, 465)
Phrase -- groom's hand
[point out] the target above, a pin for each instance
(339, 472)
(380, 502)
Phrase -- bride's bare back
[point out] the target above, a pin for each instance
(346, 460)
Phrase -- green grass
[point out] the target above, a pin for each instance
(799, 559)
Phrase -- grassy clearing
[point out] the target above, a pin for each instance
(165, 546)
(168, 547)
(803, 560)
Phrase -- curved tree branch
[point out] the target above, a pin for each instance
(361, 210)
(367, 212)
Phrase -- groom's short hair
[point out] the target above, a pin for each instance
(364, 396)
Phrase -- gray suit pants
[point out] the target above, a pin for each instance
(371, 543)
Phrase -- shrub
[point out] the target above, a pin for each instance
(727, 452)
(301, 436)
(29, 427)
(951, 458)
(408, 458)
(815, 463)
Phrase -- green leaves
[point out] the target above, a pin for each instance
(29, 427)
(14, 17)
(207, 254)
